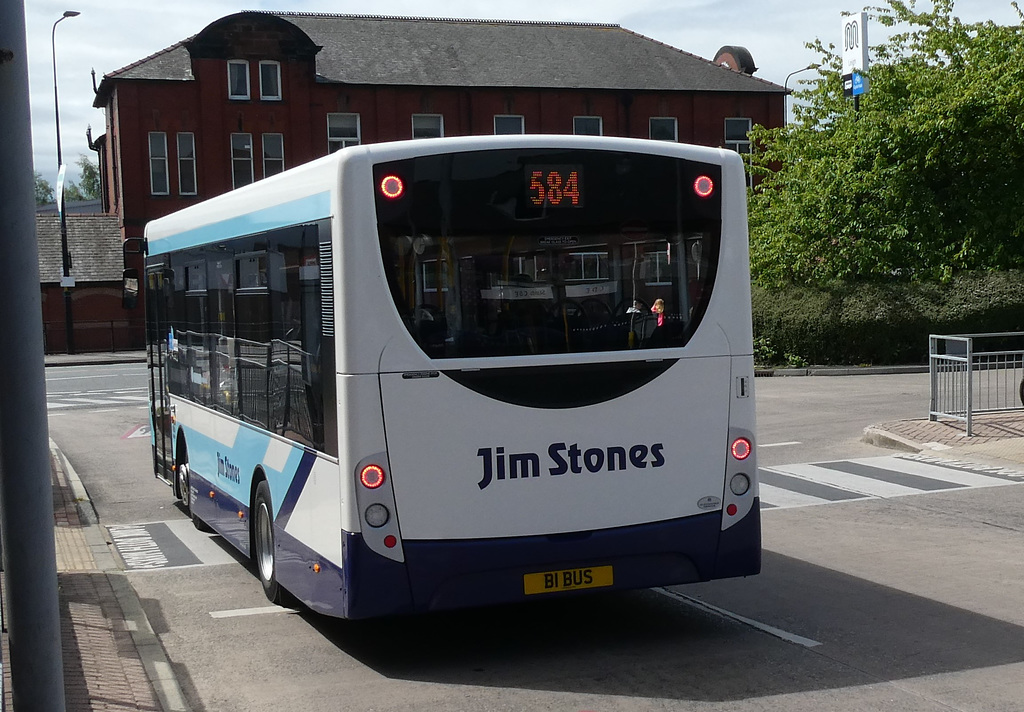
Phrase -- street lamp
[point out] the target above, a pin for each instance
(67, 281)
(785, 84)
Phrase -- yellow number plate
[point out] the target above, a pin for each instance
(568, 580)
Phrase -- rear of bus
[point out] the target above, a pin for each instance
(545, 370)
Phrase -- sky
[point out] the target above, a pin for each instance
(111, 34)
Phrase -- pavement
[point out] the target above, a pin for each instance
(112, 658)
(114, 661)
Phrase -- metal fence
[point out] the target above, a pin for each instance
(975, 373)
(94, 336)
(266, 384)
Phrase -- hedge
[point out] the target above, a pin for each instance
(880, 324)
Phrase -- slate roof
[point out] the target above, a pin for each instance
(94, 242)
(408, 51)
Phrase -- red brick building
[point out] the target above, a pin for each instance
(255, 93)
(100, 323)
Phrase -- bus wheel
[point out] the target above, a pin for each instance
(182, 487)
(263, 544)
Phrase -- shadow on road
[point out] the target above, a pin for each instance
(649, 645)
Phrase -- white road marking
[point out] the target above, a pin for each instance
(790, 442)
(239, 612)
(779, 497)
(947, 474)
(848, 482)
(722, 613)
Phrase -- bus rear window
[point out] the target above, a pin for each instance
(541, 251)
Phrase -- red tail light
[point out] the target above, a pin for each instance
(741, 448)
(704, 186)
(372, 476)
(392, 187)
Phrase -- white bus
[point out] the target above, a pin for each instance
(454, 372)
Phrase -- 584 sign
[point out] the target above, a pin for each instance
(555, 186)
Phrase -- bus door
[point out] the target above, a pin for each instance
(159, 282)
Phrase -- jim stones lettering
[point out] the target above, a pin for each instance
(561, 459)
(226, 470)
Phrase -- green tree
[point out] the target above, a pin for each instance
(88, 187)
(89, 178)
(44, 191)
(921, 182)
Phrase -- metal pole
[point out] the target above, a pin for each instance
(785, 85)
(66, 282)
(26, 490)
(970, 387)
(932, 377)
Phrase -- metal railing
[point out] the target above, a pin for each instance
(263, 383)
(94, 336)
(967, 380)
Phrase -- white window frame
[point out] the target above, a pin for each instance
(234, 160)
(157, 161)
(266, 160)
(440, 124)
(264, 94)
(522, 124)
(248, 84)
(600, 125)
(675, 127)
(741, 147)
(335, 143)
(655, 260)
(187, 163)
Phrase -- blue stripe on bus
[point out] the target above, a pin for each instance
(298, 483)
(308, 209)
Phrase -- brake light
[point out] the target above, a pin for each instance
(741, 448)
(372, 476)
(704, 186)
(392, 187)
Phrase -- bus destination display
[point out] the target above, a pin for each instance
(555, 186)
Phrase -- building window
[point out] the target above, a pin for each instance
(736, 135)
(241, 159)
(427, 126)
(158, 181)
(270, 81)
(273, 154)
(342, 131)
(664, 128)
(587, 126)
(504, 125)
(737, 139)
(187, 164)
(238, 79)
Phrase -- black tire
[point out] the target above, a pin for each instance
(263, 545)
(183, 490)
(1022, 391)
(182, 486)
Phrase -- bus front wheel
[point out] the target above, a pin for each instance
(263, 544)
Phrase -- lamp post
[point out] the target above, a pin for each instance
(67, 281)
(785, 84)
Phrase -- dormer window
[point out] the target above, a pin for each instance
(270, 81)
(238, 79)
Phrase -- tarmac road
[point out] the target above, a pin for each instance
(911, 602)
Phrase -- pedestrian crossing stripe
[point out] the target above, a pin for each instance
(807, 484)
